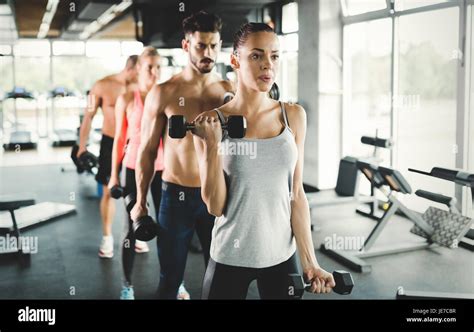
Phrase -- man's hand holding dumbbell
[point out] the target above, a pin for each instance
(235, 125)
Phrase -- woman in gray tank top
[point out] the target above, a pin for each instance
(254, 185)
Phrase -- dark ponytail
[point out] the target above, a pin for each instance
(246, 29)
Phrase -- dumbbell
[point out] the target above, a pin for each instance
(145, 228)
(88, 162)
(116, 191)
(228, 96)
(343, 279)
(74, 150)
(236, 126)
(274, 92)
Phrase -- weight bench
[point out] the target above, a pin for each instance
(19, 211)
(347, 186)
(463, 179)
(11, 203)
(381, 177)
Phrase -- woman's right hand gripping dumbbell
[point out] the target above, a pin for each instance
(208, 127)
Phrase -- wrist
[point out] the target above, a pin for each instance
(309, 263)
(141, 200)
(212, 147)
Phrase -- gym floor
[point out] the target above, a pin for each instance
(67, 250)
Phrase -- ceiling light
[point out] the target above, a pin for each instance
(51, 8)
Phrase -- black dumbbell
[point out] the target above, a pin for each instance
(236, 126)
(228, 96)
(116, 191)
(74, 150)
(88, 162)
(343, 279)
(145, 228)
(274, 92)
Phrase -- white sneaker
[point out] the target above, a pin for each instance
(141, 247)
(183, 293)
(106, 249)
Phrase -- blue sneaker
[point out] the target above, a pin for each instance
(127, 293)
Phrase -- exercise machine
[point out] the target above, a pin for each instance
(22, 139)
(371, 209)
(461, 178)
(347, 186)
(19, 211)
(61, 137)
(433, 234)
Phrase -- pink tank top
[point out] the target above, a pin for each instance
(134, 124)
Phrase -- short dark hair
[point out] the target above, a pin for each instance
(246, 29)
(131, 61)
(202, 21)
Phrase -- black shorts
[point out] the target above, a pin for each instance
(105, 160)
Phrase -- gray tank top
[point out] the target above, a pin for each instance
(255, 230)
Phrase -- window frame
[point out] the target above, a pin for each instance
(463, 76)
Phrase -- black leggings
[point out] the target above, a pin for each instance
(128, 243)
(232, 282)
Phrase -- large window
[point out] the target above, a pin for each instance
(287, 78)
(290, 18)
(426, 103)
(367, 60)
(354, 7)
(32, 73)
(68, 48)
(103, 48)
(66, 71)
(32, 65)
(471, 104)
(408, 88)
(409, 4)
(6, 73)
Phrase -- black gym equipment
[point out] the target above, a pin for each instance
(371, 209)
(403, 294)
(380, 177)
(385, 143)
(10, 204)
(75, 160)
(145, 228)
(463, 179)
(19, 211)
(61, 137)
(235, 126)
(87, 161)
(347, 186)
(346, 191)
(21, 139)
(116, 192)
(343, 279)
(274, 92)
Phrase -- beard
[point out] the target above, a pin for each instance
(199, 65)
